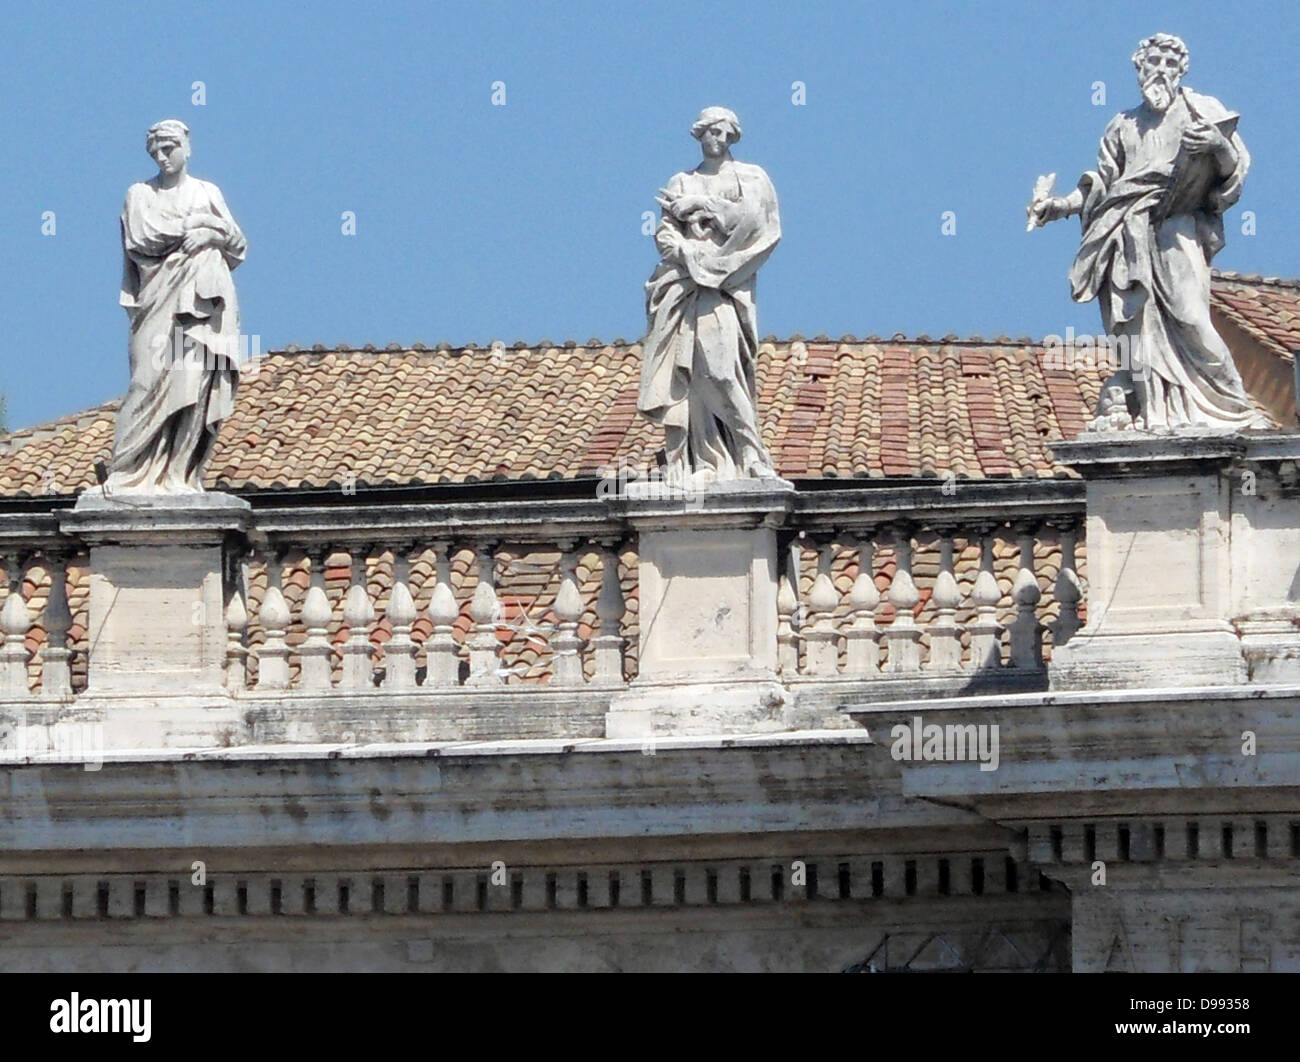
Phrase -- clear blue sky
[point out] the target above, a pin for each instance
(477, 222)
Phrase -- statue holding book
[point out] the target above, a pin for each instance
(1152, 215)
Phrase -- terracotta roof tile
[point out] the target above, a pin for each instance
(1268, 308)
(854, 409)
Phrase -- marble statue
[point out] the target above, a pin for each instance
(719, 225)
(1152, 216)
(179, 243)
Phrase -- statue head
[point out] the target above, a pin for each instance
(168, 144)
(1161, 62)
(717, 128)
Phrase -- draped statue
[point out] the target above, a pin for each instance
(1152, 216)
(179, 243)
(719, 224)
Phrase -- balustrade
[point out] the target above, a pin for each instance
(949, 611)
(567, 631)
(891, 599)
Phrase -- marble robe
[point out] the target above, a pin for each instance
(698, 373)
(1146, 255)
(172, 413)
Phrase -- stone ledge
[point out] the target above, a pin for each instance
(1056, 750)
(1070, 697)
(133, 519)
(1109, 454)
(448, 749)
(460, 794)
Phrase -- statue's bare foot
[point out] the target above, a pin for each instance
(702, 478)
(759, 467)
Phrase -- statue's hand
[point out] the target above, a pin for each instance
(197, 239)
(726, 213)
(1205, 139)
(201, 221)
(685, 205)
(1053, 208)
(670, 244)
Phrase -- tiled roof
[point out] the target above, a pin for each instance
(850, 409)
(1268, 308)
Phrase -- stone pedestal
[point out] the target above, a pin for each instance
(707, 613)
(1191, 542)
(157, 625)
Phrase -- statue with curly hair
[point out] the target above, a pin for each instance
(1152, 215)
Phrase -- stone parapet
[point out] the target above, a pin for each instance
(1192, 546)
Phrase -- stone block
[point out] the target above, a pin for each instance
(663, 886)
(860, 879)
(85, 896)
(464, 891)
(535, 897)
(157, 897)
(630, 892)
(13, 899)
(566, 889)
(728, 883)
(49, 898)
(293, 895)
(121, 897)
(431, 893)
(707, 587)
(598, 887)
(225, 896)
(192, 898)
(257, 894)
(697, 884)
(1212, 513)
(1155, 504)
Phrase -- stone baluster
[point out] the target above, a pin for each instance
(485, 611)
(400, 650)
(945, 635)
(359, 615)
(237, 634)
(787, 619)
(566, 666)
(442, 662)
(15, 622)
(316, 651)
(273, 657)
(607, 646)
(1026, 631)
(985, 631)
(903, 636)
(1068, 591)
(56, 657)
(821, 639)
(862, 638)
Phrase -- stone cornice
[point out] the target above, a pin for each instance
(1057, 749)
(1110, 454)
(611, 515)
(461, 793)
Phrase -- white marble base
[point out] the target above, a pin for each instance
(1154, 659)
(737, 707)
(1271, 646)
(708, 619)
(203, 719)
(1190, 550)
(157, 601)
